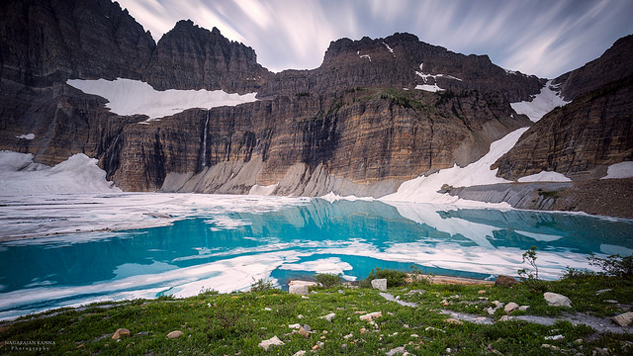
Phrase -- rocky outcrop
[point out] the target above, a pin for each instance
(578, 140)
(47, 42)
(613, 65)
(190, 57)
(401, 61)
(610, 197)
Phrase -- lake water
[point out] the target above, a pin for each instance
(229, 249)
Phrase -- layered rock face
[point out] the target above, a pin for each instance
(310, 145)
(190, 57)
(582, 138)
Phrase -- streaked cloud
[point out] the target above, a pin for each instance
(542, 37)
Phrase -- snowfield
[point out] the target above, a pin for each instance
(79, 174)
(133, 97)
(424, 188)
(544, 102)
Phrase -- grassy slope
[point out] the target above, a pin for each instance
(232, 324)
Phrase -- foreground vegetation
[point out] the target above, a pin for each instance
(235, 324)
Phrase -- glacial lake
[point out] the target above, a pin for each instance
(228, 249)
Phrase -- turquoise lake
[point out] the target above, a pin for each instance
(229, 250)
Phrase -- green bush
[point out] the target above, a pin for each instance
(329, 279)
(261, 285)
(394, 278)
(614, 265)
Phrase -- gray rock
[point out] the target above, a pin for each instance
(273, 341)
(623, 320)
(397, 351)
(524, 307)
(557, 300)
(329, 317)
(380, 284)
(510, 307)
(299, 289)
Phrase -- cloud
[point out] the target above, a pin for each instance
(538, 37)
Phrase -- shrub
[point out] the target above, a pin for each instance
(262, 285)
(328, 279)
(394, 278)
(530, 277)
(614, 265)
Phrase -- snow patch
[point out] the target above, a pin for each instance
(542, 103)
(28, 136)
(79, 174)
(389, 49)
(620, 170)
(133, 97)
(424, 188)
(432, 88)
(545, 176)
(263, 190)
(366, 56)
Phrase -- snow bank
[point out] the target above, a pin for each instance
(432, 88)
(541, 104)
(620, 170)
(424, 188)
(545, 176)
(28, 136)
(131, 97)
(79, 174)
(264, 190)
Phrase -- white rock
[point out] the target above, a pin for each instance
(300, 289)
(299, 353)
(273, 341)
(380, 284)
(510, 307)
(524, 307)
(329, 317)
(557, 300)
(371, 316)
(295, 326)
(555, 337)
(397, 351)
(623, 320)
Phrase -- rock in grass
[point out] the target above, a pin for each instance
(273, 341)
(300, 289)
(380, 284)
(299, 353)
(510, 307)
(175, 334)
(397, 351)
(303, 332)
(623, 320)
(371, 316)
(119, 333)
(329, 317)
(557, 300)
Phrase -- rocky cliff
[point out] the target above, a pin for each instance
(401, 61)
(190, 57)
(47, 42)
(582, 138)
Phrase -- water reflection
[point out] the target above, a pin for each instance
(229, 251)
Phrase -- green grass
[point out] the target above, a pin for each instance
(234, 324)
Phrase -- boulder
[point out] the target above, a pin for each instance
(380, 284)
(175, 334)
(329, 317)
(119, 333)
(557, 300)
(510, 307)
(298, 289)
(273, 341)
(371, 316)
(623, 320)
(504, 280)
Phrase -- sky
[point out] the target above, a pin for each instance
(542, 37)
